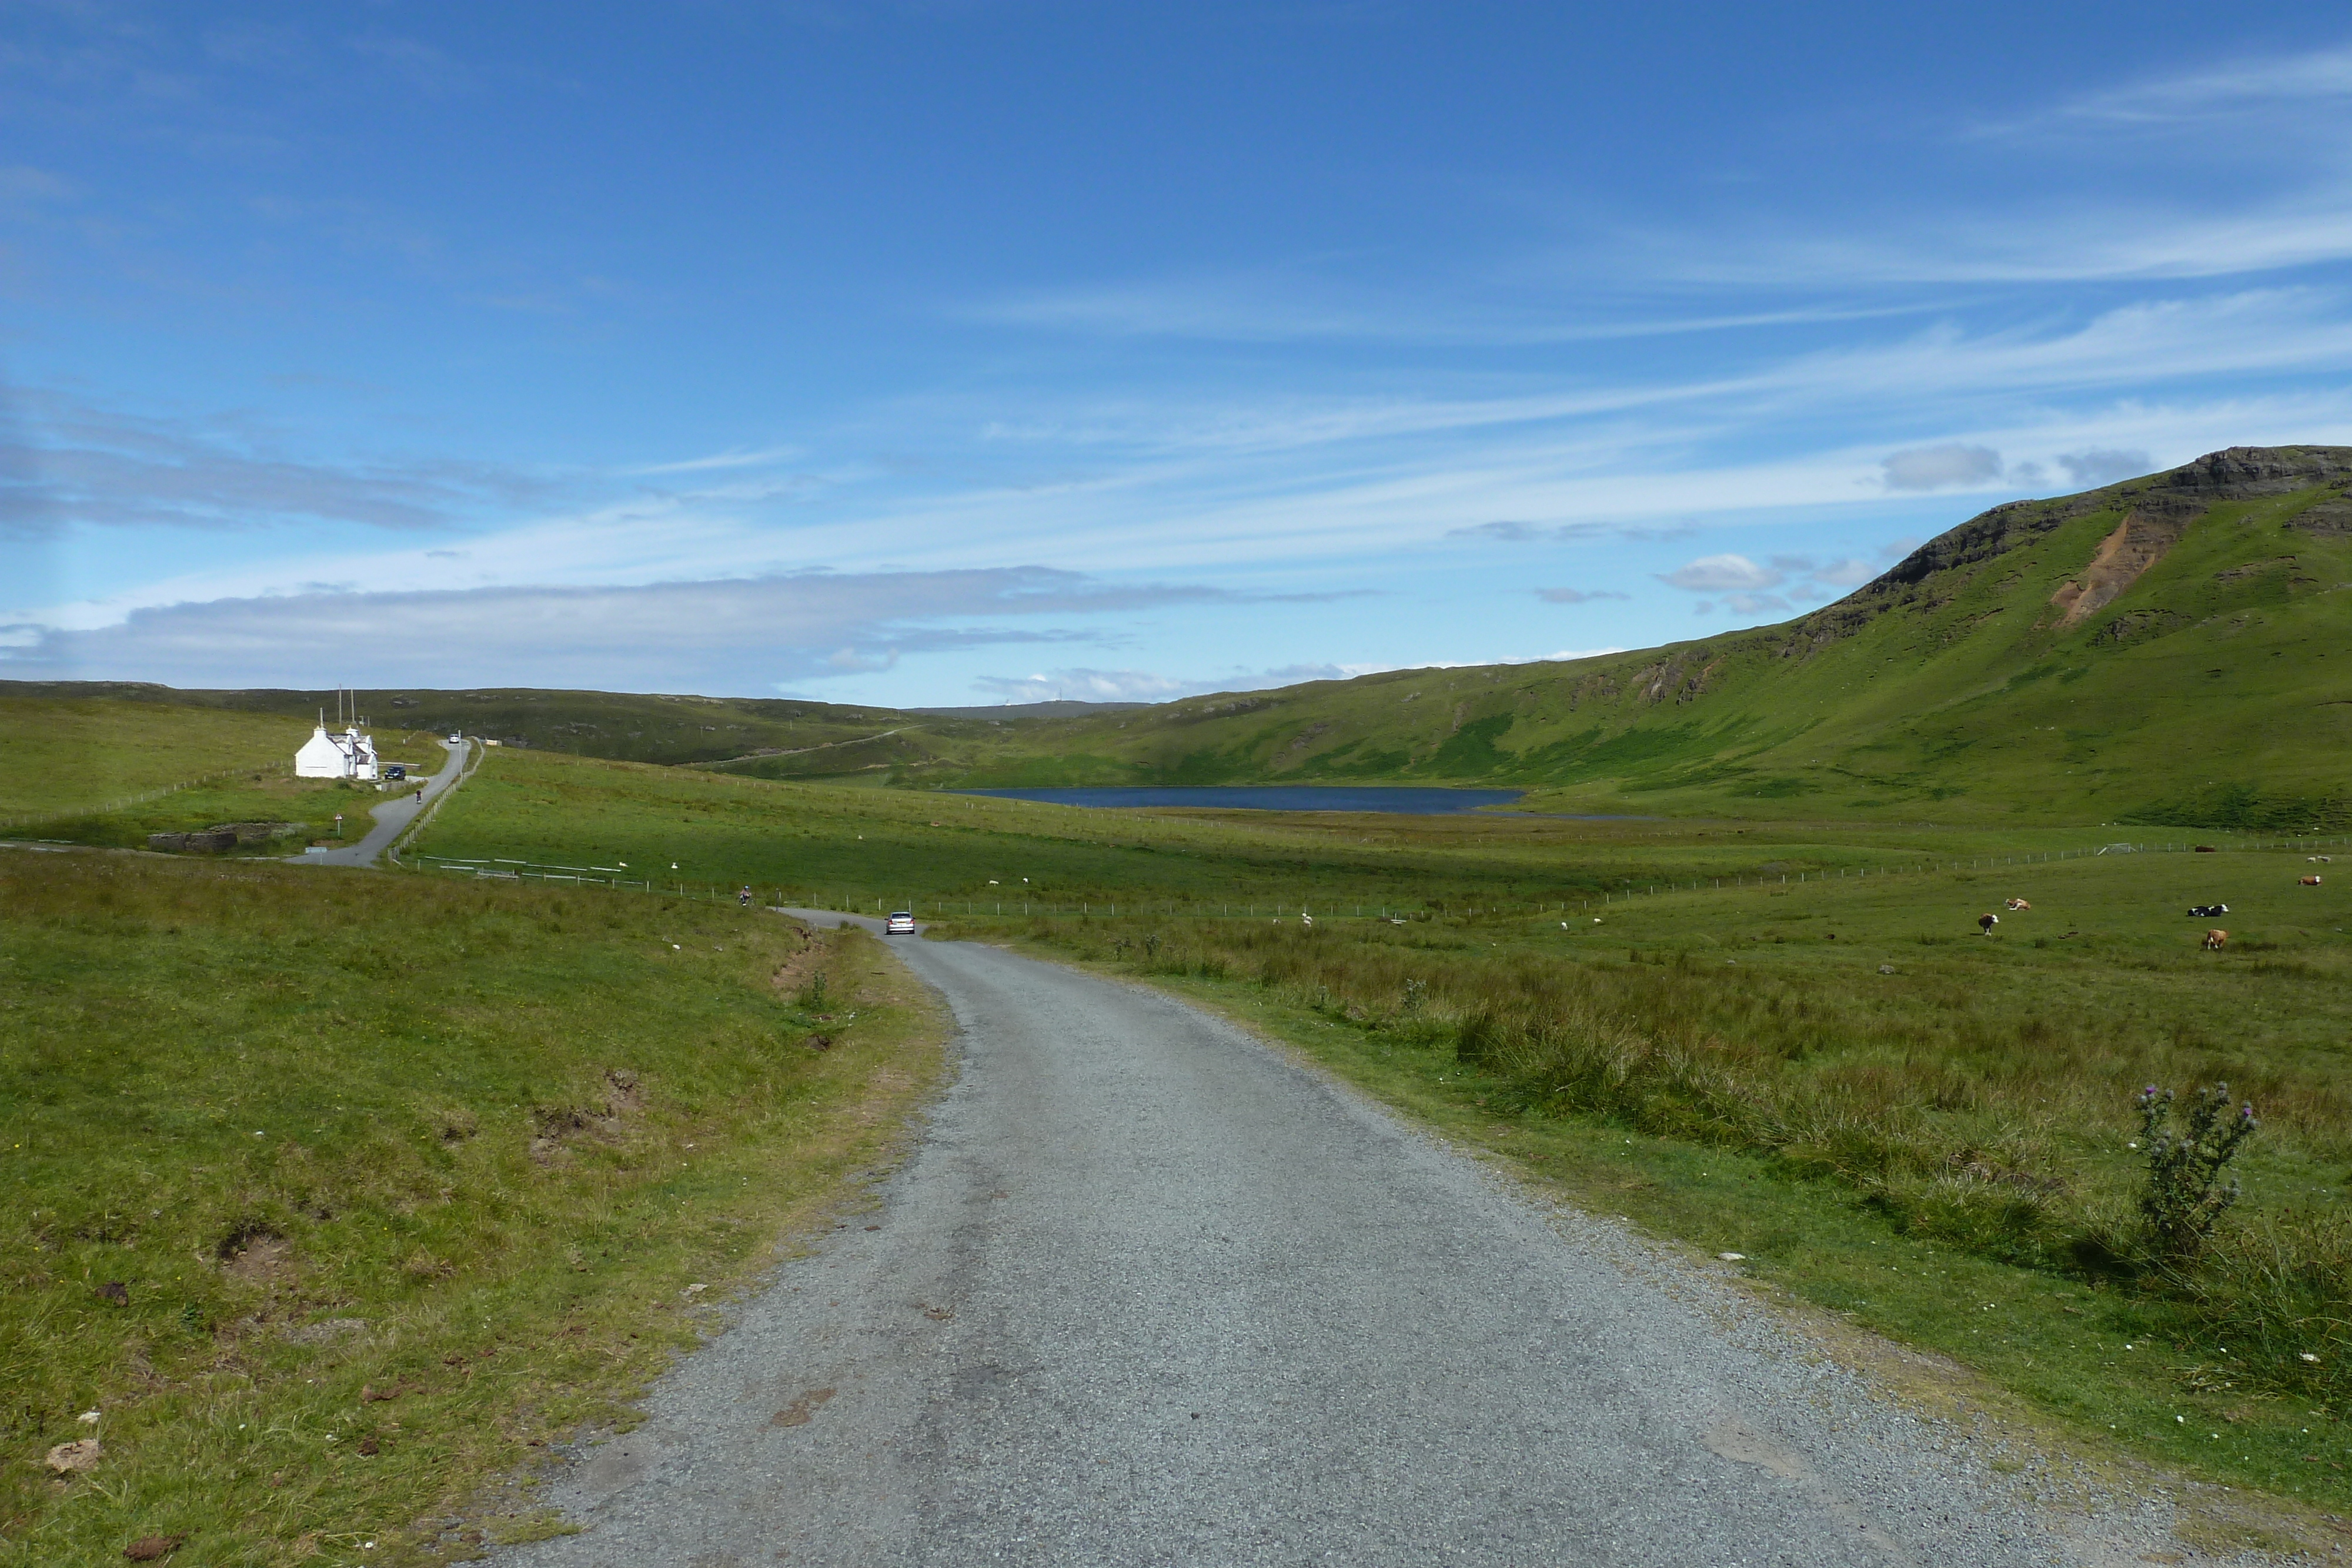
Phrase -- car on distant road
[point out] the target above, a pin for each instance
(900, 923)
(457, 740)
(396, 771)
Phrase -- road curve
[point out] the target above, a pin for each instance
(1147, 1292)
(393, 816)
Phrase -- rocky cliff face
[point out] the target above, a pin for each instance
(2158, 508)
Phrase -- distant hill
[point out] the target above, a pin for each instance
(2176, 648)
(2172, 649)
(1060, 708)
(635, 727)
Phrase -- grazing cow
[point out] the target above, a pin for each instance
(2310, 882)
(2207, 911)
(1985, 923)
(2216, 940)
(2320, 859)
(2207, 850)
(2015, 904)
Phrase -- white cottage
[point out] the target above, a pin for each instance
(349, 755)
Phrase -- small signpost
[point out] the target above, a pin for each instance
(339, 824)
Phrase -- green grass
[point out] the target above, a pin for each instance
(70, 755)
(1871, 1247)
(1976, 1101)
(858, 847)
(777, 737)
(340, 1133)
(303, 809)
(2215, 692)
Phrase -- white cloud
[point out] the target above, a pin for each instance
(1852, 572)
(1509, 533)
(1096, 685)
(2091, 469)
(1947, 466)
(1576, 595)
(737, 458)
(75, 462)
(710, 635)
(1721, 574)
(2274, 88)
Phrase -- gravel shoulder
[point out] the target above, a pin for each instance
(1148, 1291)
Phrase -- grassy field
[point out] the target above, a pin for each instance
(302, 810)
(2128, 1386)
(1784, 1037)
(1891, 1114)
(334, 1192)
(76, 755)
(109, 772)
(1973, 1105)
(859, 847)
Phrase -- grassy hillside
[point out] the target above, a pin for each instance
(2175, 649)
(71, 753)
(332, 1193)
(845, 847)
(2170, 650)
(773, 738)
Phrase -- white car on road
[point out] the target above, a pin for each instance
(900, 923)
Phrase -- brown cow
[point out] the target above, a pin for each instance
(2017, 904)
(1985, 923)
(2310, 882)
(2216, 940)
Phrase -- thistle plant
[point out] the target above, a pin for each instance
(2185, 1195)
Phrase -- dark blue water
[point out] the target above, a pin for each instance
(1271, 798)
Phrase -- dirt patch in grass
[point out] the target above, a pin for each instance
(607, 1119)
(256, 1257)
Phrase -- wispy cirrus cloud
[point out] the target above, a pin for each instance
(1577, 595)
(63, 461)
(2278, 89)
(660, 636)
(1722, 573)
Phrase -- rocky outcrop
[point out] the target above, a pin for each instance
(1677, 679)
(221, 837)
(2168, 502)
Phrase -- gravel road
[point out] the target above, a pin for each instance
(1148, 1292)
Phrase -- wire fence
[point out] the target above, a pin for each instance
(102, 808)
(941, 907)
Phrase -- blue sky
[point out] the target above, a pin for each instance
(964, 352)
